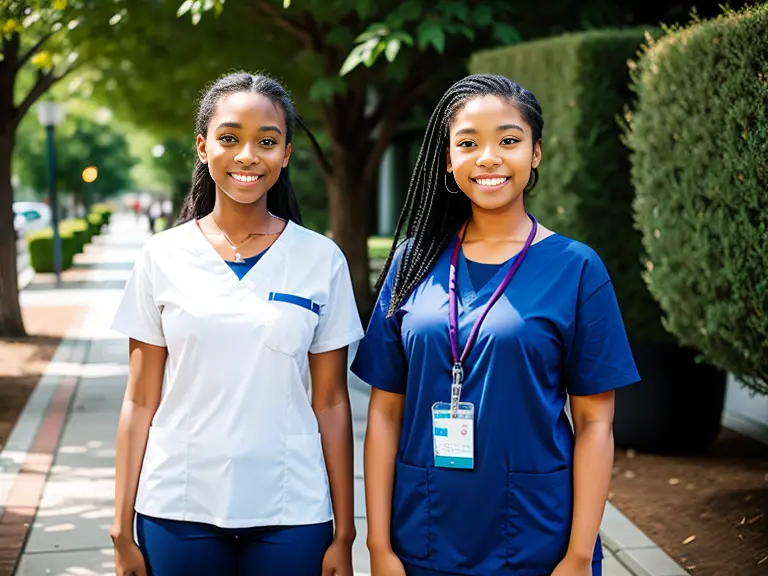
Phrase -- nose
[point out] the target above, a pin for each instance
(247, 155)
(489, 158)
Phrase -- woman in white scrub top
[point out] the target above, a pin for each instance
(228, 460)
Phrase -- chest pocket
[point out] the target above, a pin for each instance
(292, 325)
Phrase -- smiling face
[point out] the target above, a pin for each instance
(491, 152)
(245, 147)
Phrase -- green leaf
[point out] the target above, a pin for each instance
(408, 11)
(404, 37)
(393, 47)
(483, 15)
(506, 33)
(218, 8)
(460, 29)
(458, 10)
(184, 8)
(431, 33)
(380, 47)
(375, 31)
(323, 89)
(357, 56)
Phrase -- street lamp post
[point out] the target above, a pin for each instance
(49, 114)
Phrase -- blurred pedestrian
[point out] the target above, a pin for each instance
(229, 314)
(486, 322)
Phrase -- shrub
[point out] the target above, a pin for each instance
(40, 247)
(584, 191)
(79, 229)
(699, 140)
(95, 222)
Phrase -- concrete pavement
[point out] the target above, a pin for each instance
(69, 534)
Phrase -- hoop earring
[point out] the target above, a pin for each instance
(448, 187)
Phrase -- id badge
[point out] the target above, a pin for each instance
(453, 438)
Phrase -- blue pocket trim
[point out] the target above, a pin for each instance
(297, 300)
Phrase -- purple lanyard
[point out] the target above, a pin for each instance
(458, 361)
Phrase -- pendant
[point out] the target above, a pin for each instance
(238, 258)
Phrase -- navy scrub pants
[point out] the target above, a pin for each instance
(172, 547)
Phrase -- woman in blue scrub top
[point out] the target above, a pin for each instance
(486, 324)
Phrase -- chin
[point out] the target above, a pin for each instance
(493, 204)
(244, 196)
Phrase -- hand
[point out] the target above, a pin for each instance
(573, 566)
(386, 563)
(338, 559)
(128, 558)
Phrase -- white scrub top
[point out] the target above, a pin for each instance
(235, 441)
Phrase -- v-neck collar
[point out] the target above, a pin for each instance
(265, 268)
(467, 293)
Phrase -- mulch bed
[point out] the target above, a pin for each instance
(709, 512)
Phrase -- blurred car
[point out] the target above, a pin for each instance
(30, 216)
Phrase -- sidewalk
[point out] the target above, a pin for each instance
(71, 419)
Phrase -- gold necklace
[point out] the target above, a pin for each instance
(238, 258)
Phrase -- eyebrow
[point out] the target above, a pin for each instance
(502, 128)
(237, 125)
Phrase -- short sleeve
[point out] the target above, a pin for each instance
(339, 324)
(599, 357)
(381, 360)
(138, 315)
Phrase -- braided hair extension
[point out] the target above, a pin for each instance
(281, 198)
(432, 214)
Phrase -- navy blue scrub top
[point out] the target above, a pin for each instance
(556, 330)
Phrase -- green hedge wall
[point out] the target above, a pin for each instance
(699, 136)
(584, 191)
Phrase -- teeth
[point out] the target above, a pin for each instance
(491, 181)
(240, 178)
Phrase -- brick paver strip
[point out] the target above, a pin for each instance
(24, 498)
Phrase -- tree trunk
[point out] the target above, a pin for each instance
(11, 324)
(349, 199)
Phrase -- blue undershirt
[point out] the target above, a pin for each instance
(481, 273)
(242, 268)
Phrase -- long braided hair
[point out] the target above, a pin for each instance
(433, 215)
(281, 198)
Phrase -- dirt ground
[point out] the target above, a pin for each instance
(23, 361)
(708, 512)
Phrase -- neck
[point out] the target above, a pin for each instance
(238, 219)
(508, 223)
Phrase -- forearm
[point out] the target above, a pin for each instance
(381, 444)
(593, 461)
(335, 423)
(132, 432)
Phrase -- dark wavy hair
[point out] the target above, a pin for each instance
(281, 198)
(433, 215)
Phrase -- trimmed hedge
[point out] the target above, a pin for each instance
(40, 247)
(584, 191)
(79, 229)
(95, 222)
(699, 140)
(105, 210)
